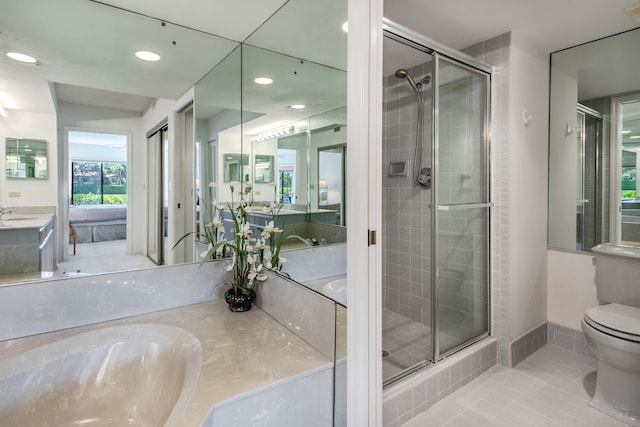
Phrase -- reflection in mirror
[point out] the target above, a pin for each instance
(264, 169)
(102, 88)
(331, 180)
(236, 167)
(594, 117)
(290, 119)
(218, 116)
(26, 158)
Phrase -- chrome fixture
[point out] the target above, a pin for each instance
(422, 176)
(4, 212)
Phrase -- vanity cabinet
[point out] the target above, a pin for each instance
(27, 244)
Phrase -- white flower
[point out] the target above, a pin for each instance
(217, 224)
(245, 231)
(270, 229)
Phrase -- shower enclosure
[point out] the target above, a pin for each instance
(435, 201)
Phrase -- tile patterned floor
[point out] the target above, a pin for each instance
(406, 341)
(100, 257)
(552, 387)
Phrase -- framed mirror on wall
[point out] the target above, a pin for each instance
(594, 141)
(263, 169)
(26, 158)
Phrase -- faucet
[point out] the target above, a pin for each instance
(4, 212)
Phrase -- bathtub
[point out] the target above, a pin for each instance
(334, 287)
(130, 375)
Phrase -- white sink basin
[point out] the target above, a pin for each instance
(336, 290)
(135, 375)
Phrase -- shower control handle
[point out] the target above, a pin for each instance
(424, 178)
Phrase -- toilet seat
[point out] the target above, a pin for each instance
(620, 321)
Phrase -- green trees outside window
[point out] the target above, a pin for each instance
(99, 183)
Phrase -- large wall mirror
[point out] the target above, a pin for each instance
(26, 158)
(290, 109)
(594, 144)
(230, 108)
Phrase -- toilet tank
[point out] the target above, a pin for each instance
(618, 274)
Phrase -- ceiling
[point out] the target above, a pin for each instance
(85, 47)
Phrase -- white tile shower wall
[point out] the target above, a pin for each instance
(496, 52)
(406, 231)
(45, 306)
(419, 392)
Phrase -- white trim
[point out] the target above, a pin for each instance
(364, 95)
(615, 150)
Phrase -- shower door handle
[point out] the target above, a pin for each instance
(463, 206)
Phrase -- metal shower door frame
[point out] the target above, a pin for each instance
(441, 52)
(436, 206)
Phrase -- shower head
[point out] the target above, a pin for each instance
(404, 74)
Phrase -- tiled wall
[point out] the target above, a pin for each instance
(406, 230)
(496, 52)
(462, 234)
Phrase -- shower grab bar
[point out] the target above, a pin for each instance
(463, 206)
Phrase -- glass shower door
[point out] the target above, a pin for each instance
(461, 203)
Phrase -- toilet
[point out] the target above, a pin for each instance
(612, 331)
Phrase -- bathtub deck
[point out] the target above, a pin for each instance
(242, 353)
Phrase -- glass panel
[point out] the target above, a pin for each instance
(153, 185)
(462, 285)
(630, 201)
(86, 183)
(462, 108)
(406, 221)
(98, 183)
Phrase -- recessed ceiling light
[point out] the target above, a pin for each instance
(345, 26)
(146, 55)
(263, 80)
(21, 57)
(626, 131)
(297, 106)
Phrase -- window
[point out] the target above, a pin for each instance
(99, 183)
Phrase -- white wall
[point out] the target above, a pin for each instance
(528, 155)
(572, 287)
(33, 192)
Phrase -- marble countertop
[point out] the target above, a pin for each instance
(241, 352)
(15, 221)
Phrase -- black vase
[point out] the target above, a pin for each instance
(238, 301)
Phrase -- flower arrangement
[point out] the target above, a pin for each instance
(252, 251)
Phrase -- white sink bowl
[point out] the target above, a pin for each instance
(336, 290)
(133, 375)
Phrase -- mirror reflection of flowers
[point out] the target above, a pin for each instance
(252, 251)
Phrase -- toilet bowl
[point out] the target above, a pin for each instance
(612, 331)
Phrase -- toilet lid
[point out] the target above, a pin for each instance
(616, 319)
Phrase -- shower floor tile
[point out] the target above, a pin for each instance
(408, 343)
